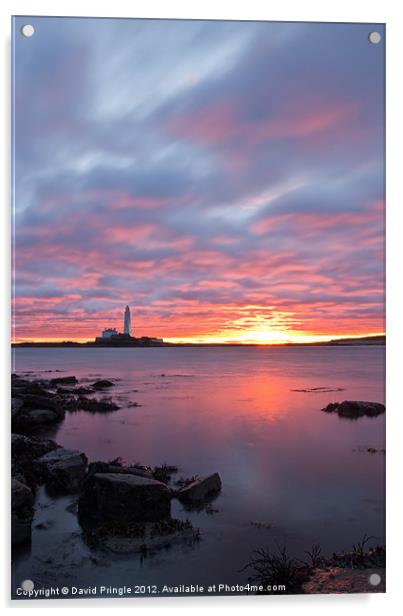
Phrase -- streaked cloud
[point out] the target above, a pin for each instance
(225, 179)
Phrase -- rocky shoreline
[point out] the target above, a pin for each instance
(39, 403)
(126, 508)
(360, 570)
(114, 500)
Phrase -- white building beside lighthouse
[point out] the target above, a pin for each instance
(127, 327)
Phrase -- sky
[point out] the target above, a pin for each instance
(224, 179)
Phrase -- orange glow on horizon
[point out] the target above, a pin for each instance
(268, 338)
(258, 337)
(191, 323)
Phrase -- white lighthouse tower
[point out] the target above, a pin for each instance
(127, 322)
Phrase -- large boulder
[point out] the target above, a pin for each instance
(63, 470)
(22, 506)
(353, 409)
(121, 498)
(200, 490)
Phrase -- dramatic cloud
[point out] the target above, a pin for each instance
(224, 179)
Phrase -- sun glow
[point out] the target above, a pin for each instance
(266, 337)
(252, 337)
(277, 337)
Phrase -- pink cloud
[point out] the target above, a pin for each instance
(222, 123)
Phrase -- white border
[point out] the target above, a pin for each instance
(388, 11)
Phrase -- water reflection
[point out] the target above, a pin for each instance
(242, 412)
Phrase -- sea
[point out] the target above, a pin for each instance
(292, 475)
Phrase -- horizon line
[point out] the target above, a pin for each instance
(193, 340)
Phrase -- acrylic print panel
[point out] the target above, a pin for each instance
(198, 340)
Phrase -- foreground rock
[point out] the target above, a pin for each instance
(352, 409)
(147, 538)
(24, 450)
(63, 470)
(21, 386)
(117, 467)
(22, 506)
(16, 405)
(32, 406)
(37, 418)
(355, 571)
(200, 490)
(48, 401)
(121, 499)
(27, 448)
(336, 580)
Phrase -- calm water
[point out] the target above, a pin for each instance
(282, 462)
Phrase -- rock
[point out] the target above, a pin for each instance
(164, 472)
(200, 490)
(73, 391)
(120, 498)
(102, 384)
(358, 409)
(331, 407)
(16, 404)
(65, 391)
(22, 501)
(37, 412)
(83, 390)
(51, 402)
(64, 380)
(344, 580)
(20, 530)
(360, 559)
(21, 495)
(63, 470)
(353, 409)
(97, 406)
(142, 472)
(21, 386)
(109, 467)
(26, 449)
(150, 537)
(39, 417)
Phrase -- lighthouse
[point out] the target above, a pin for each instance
(127, 322)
